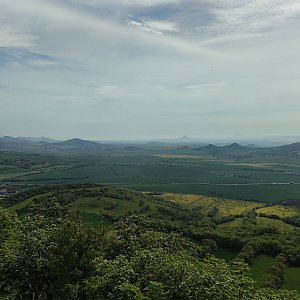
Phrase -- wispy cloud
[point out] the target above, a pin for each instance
(142, 3)
(12, 38)
(144, 26)
(252, 16)
(148, 67)
(156, 26)
(61, 21)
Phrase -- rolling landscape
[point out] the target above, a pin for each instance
(268, 174)
(239, 204)
(149, 150)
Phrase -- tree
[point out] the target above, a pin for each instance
(51, 257)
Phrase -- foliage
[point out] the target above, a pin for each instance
(269, 294)
(275, 275)
(51, 256)
(164, 254)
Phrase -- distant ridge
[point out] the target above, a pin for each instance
(77, 144)
(294, 146)
(293, 149)
(210, 146)
(210, 149)
(233, 146)
(231, 151)
(9, 141)
(38, 139)
(252, 146)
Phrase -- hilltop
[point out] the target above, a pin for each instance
(78, 144)
(154, 229)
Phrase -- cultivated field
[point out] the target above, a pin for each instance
(158, 169)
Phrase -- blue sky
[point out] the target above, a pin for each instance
(102, 69)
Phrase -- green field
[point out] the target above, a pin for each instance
(292, 279)
(282, 227)
(157, 169)
(259, 266)
(94, 200)
(264, 193)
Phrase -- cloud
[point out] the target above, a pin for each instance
(143, 26)
(156, 26)
(114, 92)
(230, 38)
(11, 38)
(142, 3)
(162, 26)
(22, 56)
(62, 21)
(252, 16)
(181, 67)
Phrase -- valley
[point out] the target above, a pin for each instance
(233, 203)
(233, 171)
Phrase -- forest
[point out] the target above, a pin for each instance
(78, 242)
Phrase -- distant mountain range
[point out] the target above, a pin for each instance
(234, 151)
(230, 151)
(38, 139)
(28, 143)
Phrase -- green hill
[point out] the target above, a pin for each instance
(149, 242)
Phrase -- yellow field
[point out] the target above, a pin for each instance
(232, 224)
(278, 210)
(183, 198)
(227, 207)
(281, 226)
(260, 221)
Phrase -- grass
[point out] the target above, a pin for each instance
(292, 279)
(259, 267)
(278, 210)
(95, 201)
(281, 226)
(26, 202)
(260, 221)
(227, 207)
(97, 206)
(236, 223)
(263, 193)
(92, 204)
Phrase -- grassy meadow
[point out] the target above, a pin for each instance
(292, 279)
(259, 266)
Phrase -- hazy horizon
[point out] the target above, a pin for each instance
(258, 140)
(152, 69)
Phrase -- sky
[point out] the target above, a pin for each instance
(136, 69)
